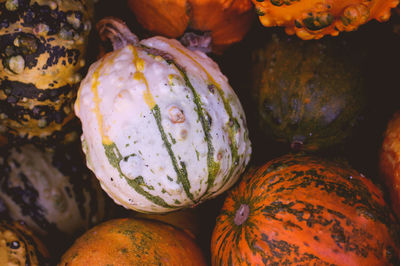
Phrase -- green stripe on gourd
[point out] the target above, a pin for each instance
(114, 158)
(180, 172)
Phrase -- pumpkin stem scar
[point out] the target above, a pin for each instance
(241, 214)
(117, 32)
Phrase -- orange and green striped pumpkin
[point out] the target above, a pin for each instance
(308, 211)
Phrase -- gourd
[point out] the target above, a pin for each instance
(226, 20)
(305, 210)
(51, 192)
(42, 54)
(309, 95)
(313, 19)
(162, 128)
(19, 246)
(389, 161)
(133, 242)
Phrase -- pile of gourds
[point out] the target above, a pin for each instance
(207, 137)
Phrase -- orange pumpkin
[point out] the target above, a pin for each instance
(312, 19)
(390, 161)
(227, 20)
(133, 242)
(304, 210)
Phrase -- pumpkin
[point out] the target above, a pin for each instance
(42, 52)
(313, 19)
(389, 161)
(162, 128)
(227, 21)
(305, 210)
(133, 242)
(309, 95)
(52, 192)
(19, 246)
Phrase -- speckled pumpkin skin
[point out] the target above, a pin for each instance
(52, 192)
(227, 20)
(42, 49)
(309, 95)
(313, 19)
(304, 210)
(18, 246)
(389, 163)
(133, 242)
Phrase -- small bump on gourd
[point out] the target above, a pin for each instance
(183, 134)
(66, 34)
(176, 115)
(42, 123)
(53, 5)
(41, 29)
(12, 5)
(16, 64)
(74, 21)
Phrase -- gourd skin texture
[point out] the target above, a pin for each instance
(48, 191)
(133, 242)
(18, 246)
(313, 19)
(309, 95)
(227, 20)
(389, 163)
(42, 49)
(304, 210)
(162, 128)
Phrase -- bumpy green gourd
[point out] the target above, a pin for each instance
(309, 94)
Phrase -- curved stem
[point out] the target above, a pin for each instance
(117, 32)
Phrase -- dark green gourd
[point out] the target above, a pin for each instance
(309, 94)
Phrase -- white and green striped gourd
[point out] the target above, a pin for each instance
(162, 128)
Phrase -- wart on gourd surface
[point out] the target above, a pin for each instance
(170, 107)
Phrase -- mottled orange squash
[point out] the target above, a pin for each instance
(303, 210)
(133, 242)
(227, 20)
(389, 163)
(312, 19)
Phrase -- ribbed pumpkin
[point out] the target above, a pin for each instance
(311, 94)
(42, 51)
(162, 128)
(312, 19)
(389, 163)
(227, 20)
(52, 192)
(305, 211)
(133, 242)
(18, 246)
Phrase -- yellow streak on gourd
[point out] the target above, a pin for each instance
(139, 76)
(200, 66)
(96, 99)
